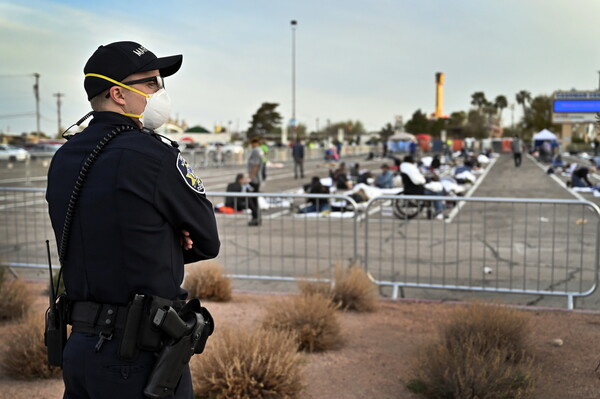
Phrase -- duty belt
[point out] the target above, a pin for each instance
(95, 318)
(133, 324)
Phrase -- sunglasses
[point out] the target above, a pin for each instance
(158, 81)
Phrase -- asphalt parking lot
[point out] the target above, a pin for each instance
(502, 181)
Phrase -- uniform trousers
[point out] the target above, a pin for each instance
(102, 375)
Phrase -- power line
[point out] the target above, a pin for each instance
(15, 75)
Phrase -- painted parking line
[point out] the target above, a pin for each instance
(557, 179)
(469, 193)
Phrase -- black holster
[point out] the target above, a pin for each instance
(188, 331)
(139, 331)
(55, 333)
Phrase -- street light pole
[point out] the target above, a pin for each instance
(36, 91)
(293, 24)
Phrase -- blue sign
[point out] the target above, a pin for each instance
(574, 106)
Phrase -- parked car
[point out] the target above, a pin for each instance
(11, 153)
(220, 153)
(43, 151)
(225, 147)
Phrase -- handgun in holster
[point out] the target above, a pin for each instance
(55, 333)
(139, 331)
(188, 332)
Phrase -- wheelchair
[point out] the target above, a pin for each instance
(409, 208)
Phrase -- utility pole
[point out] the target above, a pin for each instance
(58, 104)
(293, 23)
(36, 91)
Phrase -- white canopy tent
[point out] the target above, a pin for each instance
(403, 136)
(544, 135)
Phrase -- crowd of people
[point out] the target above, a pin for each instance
(437, 175)
(431, 175)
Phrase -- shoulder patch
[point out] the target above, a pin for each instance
(189, 176)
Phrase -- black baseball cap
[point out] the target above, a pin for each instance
(121, 59)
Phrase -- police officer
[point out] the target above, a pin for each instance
(140, 214)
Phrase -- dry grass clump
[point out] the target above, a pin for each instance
(494, 326)
(483, 353)
(26, 356)
(256, 364)
(311, 318)
(205, 280)
(315, 286)
(352, 289)
(15, 298)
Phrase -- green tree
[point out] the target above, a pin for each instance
(523, 97)
(456, 123)
(476, 125)
(197, 129)
(265, 122)
(418, 123)
(437, 125)
(298, 132)
(352, 130)
(478, 100)
(500, 103)
(540, 115)
(386, 132)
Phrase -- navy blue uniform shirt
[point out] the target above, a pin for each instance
(138, 196)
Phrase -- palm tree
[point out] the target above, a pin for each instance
(523, 97)
(500, 103)
(478, 99)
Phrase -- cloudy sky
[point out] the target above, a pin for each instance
(366, 60)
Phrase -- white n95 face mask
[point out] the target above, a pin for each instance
(158, 110)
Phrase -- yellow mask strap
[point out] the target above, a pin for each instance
(132, 115)
(96, 75)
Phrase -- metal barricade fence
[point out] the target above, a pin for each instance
(24, 228)
(505, 245)
(286, 246)
(528, 246)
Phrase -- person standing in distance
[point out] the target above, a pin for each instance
(254, 175)
(298, 155)
(141, 214)
(517, 149)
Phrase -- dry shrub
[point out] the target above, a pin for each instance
(26, 357)
(483, 353)
(354, 290)
(315, 286)
(248, 364)
(205, 280)
(311, 318)
(488, 327)
(15, 299)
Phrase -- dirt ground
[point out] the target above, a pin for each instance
(375, 357)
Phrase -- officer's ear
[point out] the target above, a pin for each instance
(116, 94)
